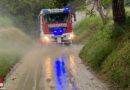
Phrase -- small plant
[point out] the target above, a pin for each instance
(90, 13)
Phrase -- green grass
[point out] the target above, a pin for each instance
(107, 49)
(100, 45)
(13, 43)
(86, 28)
(7, 60)
(117, 65)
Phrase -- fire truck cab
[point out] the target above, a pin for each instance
(56, 25)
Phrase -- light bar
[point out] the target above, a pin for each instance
(67, 9)
(45, 10)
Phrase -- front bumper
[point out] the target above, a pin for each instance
(58, 38)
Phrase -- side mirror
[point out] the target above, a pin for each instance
(75, 19)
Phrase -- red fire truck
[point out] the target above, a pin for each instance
(56, 25)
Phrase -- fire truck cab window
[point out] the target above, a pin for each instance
(57, 18)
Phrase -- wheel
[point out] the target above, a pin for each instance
(68, 42)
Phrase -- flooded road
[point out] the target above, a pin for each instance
(52, 67)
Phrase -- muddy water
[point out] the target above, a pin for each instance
(52, 67)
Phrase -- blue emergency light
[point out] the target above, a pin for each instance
(55, 31)
(58, 31)
(67, 9)
(45, 10)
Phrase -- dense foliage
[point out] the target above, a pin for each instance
(62, 3)
(127, 2)
(25, 12)
(106, 3)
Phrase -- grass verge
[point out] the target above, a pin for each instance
(107, 49)
(86, 28)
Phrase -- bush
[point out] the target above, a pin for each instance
(99, 47)
(108, 52)
(7, 60)
(117, 64)
(86, 28)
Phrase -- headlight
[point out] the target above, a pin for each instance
(45, 39)
(71, 36)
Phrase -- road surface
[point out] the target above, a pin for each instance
(52, 67)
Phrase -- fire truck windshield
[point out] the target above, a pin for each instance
(57, 18)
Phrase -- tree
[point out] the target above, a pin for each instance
(118, 11)
(24, 12)
(63, 3)
(100, 10)
(103, 8)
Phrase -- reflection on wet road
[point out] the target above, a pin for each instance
(62, 76)
(48, 69)
(72, 64)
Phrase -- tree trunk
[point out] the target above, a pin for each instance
(118, 11)
(99, 8)
(108, 11)
(94, 2)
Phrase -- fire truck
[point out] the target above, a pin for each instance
(56, 25)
